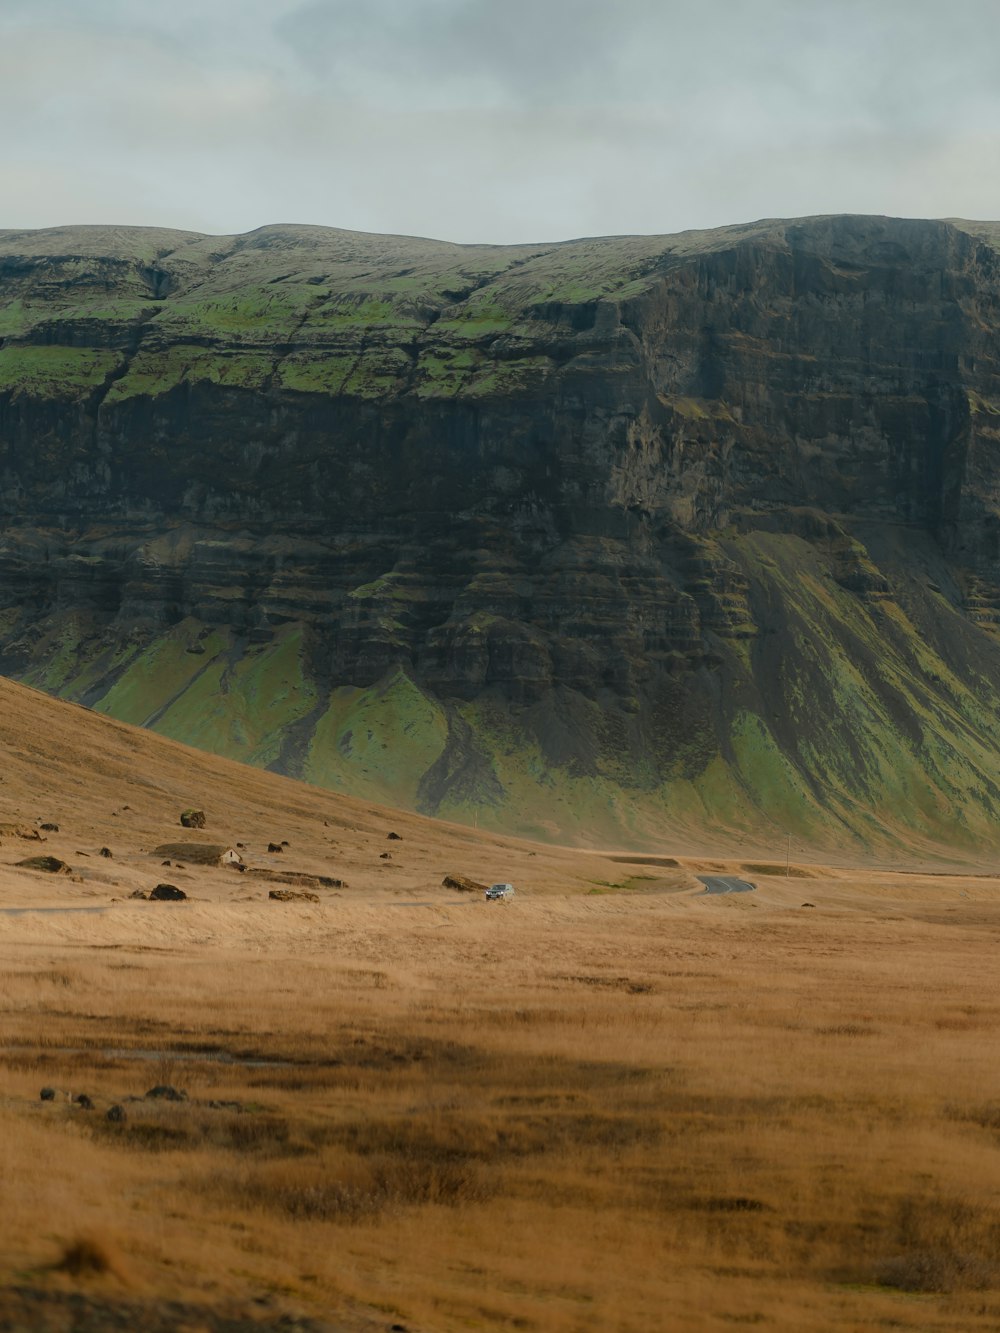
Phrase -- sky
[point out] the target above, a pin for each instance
(495, 120)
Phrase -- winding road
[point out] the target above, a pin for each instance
(726, 884)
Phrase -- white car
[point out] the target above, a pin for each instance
(499, 891)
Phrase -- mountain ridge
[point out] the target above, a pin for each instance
(552, 542)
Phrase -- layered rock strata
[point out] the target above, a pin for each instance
(621, 539)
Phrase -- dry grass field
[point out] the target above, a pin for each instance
(616, 1103)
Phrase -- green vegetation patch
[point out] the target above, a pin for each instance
(62, 372)
(769, 777)
(444, 373)
(255, 310)
(244, 703)
(161, 673)
(157, 372)
(361, 313)
(499, 378)
(16, 318)
(205, 688)
(378, 741)
(315, 372)
(370, 374)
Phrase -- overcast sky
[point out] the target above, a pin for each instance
(495, 120)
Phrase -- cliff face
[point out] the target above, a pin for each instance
(615, 539)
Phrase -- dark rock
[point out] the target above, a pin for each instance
(50, 864)
(48, 1094)
(808, 904)
(298, 877)
(463, 884)
(49, 828)
(167, 893)
(164, 1092)
(385, 856)
(274, 847)
(83, 1101)
(201, 853)
(293, 896)
(193, 818)
(105, 852)
(117, 1114)
(164, 863)
(394, 837)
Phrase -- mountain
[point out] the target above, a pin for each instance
(615, 540)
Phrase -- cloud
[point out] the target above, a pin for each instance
(472, 119)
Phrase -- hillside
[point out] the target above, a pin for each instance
(104, 784)
(621, 540)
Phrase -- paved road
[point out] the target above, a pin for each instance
(726, 884)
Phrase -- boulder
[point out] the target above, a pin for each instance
(300, 878)
(463, 884)
(193, 818)
(293, 896)
(164, 1092)
(394, 837)
(50, 864)
(83, 1101)
(167, 893)
(116, 1114)
(49, 828)
(48, 1094)
(105, 852)
(274, 847)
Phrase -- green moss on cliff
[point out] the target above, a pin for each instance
(522, 374)
(154, 373)
(312, 372)
(224, 697)
(58, 372)
(377, 741)
(243, 706)
(443, 372)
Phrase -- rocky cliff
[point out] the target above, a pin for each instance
(618, 539)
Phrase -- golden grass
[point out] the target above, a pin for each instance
(641, 1108)
(660, 1113)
